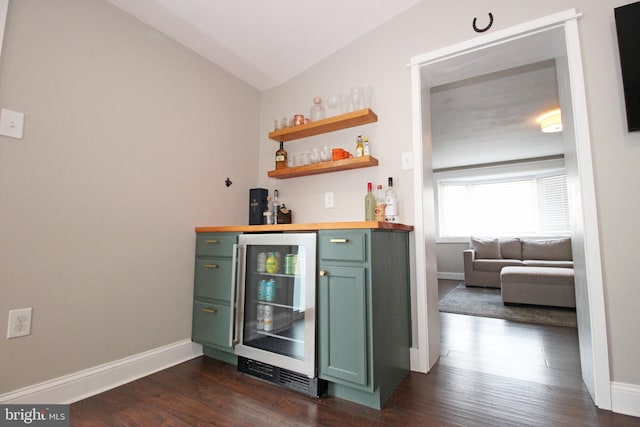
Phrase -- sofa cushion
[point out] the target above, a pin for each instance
(486, 248)
(547, 263)
(553, 249)
(511, 248)
(495, 265)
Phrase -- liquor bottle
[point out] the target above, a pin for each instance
(359, 146)
(369, 204)
(281, 157)
(378, 212)
(367, 148)
(391, 203)
(275, 207)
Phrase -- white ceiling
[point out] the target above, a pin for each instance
(493, 117)
(264, 42)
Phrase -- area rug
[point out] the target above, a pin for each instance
(487, 302)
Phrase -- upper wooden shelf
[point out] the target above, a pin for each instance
(330, 124)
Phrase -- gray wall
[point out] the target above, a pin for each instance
(128, 140)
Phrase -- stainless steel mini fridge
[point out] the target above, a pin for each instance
(274, 333)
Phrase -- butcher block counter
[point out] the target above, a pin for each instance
(312, 226)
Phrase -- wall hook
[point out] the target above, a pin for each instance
(228, 182)
(482, 30)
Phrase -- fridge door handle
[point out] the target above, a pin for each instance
(237, 293)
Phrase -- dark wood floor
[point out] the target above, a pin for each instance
(492, 373)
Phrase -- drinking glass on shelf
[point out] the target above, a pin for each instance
(325, 154)
(368, 97)
(315, 155)
(333, 103)
(345, 103)
(357, 98)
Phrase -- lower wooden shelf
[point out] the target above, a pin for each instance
(324, 167)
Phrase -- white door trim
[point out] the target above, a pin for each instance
(426, 329)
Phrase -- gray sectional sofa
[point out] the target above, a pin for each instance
(485, 259)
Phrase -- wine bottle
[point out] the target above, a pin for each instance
(378, 212)
(391, 203)
(281, 157)
(369, 204)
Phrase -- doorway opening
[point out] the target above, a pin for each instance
(551, 38)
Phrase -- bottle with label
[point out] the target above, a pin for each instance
(359, 146)
(275, 207)
(369, 204)
(391, 203)
(378, 212)
(367, 147)
(281, 157)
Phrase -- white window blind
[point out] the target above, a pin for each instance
(509, 206)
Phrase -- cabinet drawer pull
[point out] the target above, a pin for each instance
(339, 240)
(210, 266)
(209, 310)
(212, 241)
(323, 273)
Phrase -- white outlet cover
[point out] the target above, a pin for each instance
(328, 200)
(11, 123)
(19, 324)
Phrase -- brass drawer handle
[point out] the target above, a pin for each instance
(323, 273)
(339, 240)
(212, 241)
(210, 266)
(209, 310)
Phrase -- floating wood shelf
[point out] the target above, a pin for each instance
(330, 124)
(324, 167)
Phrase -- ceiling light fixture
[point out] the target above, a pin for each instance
(551, 122)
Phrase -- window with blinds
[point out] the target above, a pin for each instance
(531, 205)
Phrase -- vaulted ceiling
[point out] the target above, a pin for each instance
(264, 42)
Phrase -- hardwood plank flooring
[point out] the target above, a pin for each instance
(492, 373)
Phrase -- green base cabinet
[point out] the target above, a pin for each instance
(212, 294)
(364, 325)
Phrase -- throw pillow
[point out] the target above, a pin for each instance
(486, 248)
(511, 248)
(552, 250)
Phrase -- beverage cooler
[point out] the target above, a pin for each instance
(274, 332)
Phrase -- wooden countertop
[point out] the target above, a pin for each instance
(312, 226)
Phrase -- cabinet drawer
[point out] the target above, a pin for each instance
(211, 324)
(213, 278)
(215, 244)
(338, 245)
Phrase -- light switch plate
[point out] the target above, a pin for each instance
(407, 160)
(11, 123)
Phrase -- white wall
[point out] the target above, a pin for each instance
(128, 140)
(379, 59)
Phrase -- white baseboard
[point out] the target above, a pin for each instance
(80, 385)
(451, 276)
(625, 399)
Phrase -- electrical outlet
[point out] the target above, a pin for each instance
(19, 323)
(328, 200)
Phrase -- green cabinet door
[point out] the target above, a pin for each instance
(212, 303)
(342, 325)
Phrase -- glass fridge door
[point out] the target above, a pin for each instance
(278, 307)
